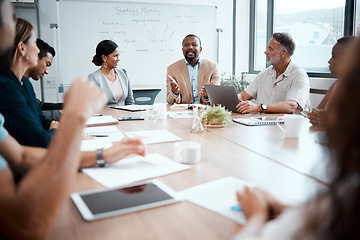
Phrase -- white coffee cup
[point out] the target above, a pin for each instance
(187, 152)
(293, 124)
(161, 110)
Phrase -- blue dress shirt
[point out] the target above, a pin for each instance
(193, 76)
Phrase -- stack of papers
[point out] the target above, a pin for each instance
(134, 169)
(181, 115)
(111, 132)
(154, 136)
(101, 120)
(218, 196)
(177, 106)
(103, 137)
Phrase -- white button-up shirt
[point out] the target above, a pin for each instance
(293, 84)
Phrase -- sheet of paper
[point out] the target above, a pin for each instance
(131, 107)
(101, 120)
(218, 196)
(93, 144)
(182, 106)
(181, 115)
(134, 169)
(154, 136)
(111, 132)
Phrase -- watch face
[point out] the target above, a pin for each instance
(263, 107)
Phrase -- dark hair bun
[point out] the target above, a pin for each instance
(97, 61)
(104, 47)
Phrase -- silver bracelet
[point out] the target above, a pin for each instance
(99, 158)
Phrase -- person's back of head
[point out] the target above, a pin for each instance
(335, 212)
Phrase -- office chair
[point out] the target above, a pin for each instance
(145, 96)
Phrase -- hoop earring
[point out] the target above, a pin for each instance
(105, 64)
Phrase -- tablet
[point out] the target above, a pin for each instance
(103, 203)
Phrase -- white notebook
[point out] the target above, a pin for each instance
(101, 120)
(259, 121)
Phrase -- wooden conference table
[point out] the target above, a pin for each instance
(259, 155)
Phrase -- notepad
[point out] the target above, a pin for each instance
(218, 196)
(154, 136)
(134, 169)
(259, 121)
(111, 132)
(101, 120)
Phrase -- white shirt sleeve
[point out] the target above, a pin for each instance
(299, 91)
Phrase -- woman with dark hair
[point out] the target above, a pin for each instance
(334, 213)
(114, 82)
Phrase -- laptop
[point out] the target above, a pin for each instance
(224, 95)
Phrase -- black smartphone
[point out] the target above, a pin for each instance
(130, 118)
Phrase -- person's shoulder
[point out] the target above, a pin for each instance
(95, 76)
(176, 64)
(96, 73)
(269, 70)
(5, 76)
(296, 69)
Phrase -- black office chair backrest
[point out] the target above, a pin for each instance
(145, 96)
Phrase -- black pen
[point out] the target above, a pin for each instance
(99, 135)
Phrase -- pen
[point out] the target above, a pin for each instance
(99, 135)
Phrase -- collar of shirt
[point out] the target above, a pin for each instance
(188, 64)
(282, 76)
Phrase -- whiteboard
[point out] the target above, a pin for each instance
(149, 36)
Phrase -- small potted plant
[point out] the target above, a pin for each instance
(218, 116)
(238, 82)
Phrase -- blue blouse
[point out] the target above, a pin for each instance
(24, 118)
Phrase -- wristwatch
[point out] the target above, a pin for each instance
(263, 107)
(99, 158)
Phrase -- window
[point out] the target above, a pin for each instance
(314, 25)
(260, 39)
(357, 19)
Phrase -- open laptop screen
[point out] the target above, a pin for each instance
(224, 95)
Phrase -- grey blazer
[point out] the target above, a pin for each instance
(99, 78)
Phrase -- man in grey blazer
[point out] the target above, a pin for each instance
(186, 78)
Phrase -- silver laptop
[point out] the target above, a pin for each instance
(224, 95)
